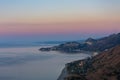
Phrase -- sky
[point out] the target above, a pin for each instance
(58, 19)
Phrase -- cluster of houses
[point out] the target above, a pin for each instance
(77, 70)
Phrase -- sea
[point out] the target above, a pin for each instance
(21, 62)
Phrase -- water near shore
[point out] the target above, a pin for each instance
(27, 63)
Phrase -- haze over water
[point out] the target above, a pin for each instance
(28, 22)
(27, 63)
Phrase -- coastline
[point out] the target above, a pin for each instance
(98, 67)
(76, 69)
(63, 74)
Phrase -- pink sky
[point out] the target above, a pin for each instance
(26, 29)
(38, 17)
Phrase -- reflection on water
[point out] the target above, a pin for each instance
(30, 64)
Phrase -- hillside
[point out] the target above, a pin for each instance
(102, 43)
(90, 44)
(105, 66)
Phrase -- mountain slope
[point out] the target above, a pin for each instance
(105, 66)
(90, 44)
(103, 43)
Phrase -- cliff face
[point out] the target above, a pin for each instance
(105, 66)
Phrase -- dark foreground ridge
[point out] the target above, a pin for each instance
(102, 44)
(105, 66)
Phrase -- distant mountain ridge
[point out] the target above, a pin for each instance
(90, 44)
(104, 43)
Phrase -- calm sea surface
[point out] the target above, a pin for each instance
(28, 63)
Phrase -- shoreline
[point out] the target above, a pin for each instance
(77, 69)
(63, 74)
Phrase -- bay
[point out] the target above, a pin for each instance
(28, 63)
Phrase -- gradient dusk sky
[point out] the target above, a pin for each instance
(58, 19)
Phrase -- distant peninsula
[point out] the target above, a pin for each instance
(99, 45)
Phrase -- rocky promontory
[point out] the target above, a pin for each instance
(102, 44)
